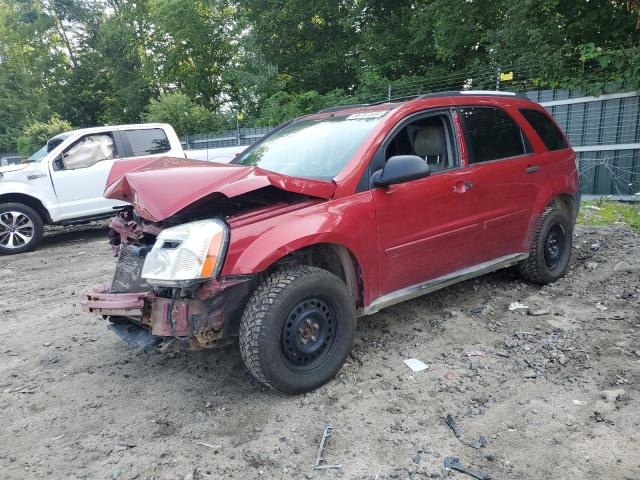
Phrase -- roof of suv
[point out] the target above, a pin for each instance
(397, 102)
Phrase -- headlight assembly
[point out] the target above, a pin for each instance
(187, 254)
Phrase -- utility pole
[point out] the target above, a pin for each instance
(498, 78)
(389, 92)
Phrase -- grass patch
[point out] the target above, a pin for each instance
(605, 212)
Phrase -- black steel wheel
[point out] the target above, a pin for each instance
(309, 334)
(554, 245)
(297, 329)
(550, 249)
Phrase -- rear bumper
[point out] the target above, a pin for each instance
(194, 323)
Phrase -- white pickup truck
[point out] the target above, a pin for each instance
(63, 182)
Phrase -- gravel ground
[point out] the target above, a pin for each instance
(554, 394)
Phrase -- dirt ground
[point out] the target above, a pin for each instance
(556, 394)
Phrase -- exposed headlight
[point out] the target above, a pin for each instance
(187, 254)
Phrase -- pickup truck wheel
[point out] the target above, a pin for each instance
(297, 329)
(550, 249)
(21, 228)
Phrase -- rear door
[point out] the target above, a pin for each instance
(147, 142)
(509, 178)
(427, 227)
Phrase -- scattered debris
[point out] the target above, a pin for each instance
(415, 365)
(593, 207)
(454, 464)
(476, 353)
(581, 403)
(319, 465)
(623, 380)
(208, 445)
(537, 313)
(595, 247)
(517, 306)
(481, 442)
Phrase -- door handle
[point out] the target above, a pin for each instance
(461, 187)
(532, 168)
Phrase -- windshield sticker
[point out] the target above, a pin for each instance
(366, 115)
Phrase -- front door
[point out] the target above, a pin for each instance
(80, 173)
(426, 228)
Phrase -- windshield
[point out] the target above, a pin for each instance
(313, 148)
(50, 145)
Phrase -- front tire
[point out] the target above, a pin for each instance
(550, 248)
(21, 228)
(297, 329)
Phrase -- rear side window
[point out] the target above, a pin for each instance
(491, 134)
(545, 128)
(148, 142)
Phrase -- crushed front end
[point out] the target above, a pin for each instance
(165, 293)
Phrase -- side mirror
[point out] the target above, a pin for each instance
(58, 163)
(400, 169)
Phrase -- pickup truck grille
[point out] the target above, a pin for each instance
(127, 277)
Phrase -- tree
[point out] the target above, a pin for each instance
(34, 136)
(186, 116)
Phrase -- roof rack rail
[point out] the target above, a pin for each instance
(343, 107)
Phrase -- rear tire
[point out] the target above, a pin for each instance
(21, 228)
(550, 248)
(297, 329)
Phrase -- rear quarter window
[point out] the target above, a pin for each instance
(491, 134)
(149, 141)
(547, 130)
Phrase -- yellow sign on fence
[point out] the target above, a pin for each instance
(505, 76)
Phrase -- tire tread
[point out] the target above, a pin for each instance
(257, 310)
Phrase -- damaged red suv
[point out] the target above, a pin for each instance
(334, 216)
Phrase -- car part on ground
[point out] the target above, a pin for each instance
(454, 464)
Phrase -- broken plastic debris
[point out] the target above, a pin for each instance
(582, 403)
(476, 353)
(517, 306)
(415, 365)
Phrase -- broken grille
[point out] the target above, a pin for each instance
(127, 277)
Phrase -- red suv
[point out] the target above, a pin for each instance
(334, 216)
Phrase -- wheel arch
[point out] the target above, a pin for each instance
(333, 257)
(29, 201)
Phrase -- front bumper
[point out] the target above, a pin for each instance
(191, 324)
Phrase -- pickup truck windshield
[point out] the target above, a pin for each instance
(310, 148)
(50, 145)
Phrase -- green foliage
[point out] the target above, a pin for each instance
(605, 212)
(183, 114)
(284, 106)
(35, 136)
(276, 59)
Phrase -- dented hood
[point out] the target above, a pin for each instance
(161, 187)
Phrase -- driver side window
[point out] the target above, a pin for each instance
(429, 138)
(88, 151)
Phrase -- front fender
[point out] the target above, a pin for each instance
(349, 222)
(19, 188)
